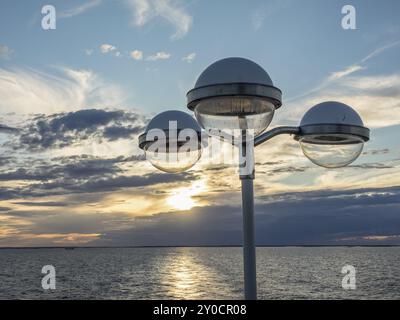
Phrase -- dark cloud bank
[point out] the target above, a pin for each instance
(64, 129)
(312, 218)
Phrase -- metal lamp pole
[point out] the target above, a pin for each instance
(249, 250)
(246, 166)
(247, 175)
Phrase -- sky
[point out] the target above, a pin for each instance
(74, 99)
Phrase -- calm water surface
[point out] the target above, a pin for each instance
(199, 273)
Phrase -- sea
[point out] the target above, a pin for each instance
(199, 273)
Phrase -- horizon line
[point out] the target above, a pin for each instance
(198, 246)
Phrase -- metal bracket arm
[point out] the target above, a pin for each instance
(275, 132)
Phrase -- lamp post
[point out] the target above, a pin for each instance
(237, 94)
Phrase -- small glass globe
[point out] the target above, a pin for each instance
(234, 113)
(333, 150)
(173, 156)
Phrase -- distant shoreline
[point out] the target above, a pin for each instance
(204, 246)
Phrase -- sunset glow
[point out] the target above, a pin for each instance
(182, 198)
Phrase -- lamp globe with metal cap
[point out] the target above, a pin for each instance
(172, 141)
(234, 94)
(332, 134)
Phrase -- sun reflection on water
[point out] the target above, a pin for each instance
(187, 277)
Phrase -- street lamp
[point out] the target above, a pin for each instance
(237, 94)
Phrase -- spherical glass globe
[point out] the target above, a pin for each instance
(174, 155)
(172, 141)
(331, 150)
(234, 113)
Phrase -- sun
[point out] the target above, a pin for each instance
(181, 199)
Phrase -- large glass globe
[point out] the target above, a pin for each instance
(234, 97)
(331, 151)
(172, 142)
(332, 134)
(173, 156)
(235, 113)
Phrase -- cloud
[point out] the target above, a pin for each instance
(5, 52)
(159, 56)
(362, 92)
(282, 219)
(90, 4)
(65, 129)
(343, 73)
(59, 238)
(357, 90)
(113, 133)
(381, 237)
(376, 152)
(90, 177)
(42, 204)
(190, 57)
(380, 50)
(28, 91)
(5, 160)
(105, 184)
(334, 77)
(24, 174)
(106, 48)
(88, 52)
(69, 168)
(36, 178)
(7, 129)
(143, 11)
(257, 19)
(136, 54)
(262, 13)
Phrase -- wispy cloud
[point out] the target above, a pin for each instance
(88, 52)
(144, 11)
(79, 9)
(380, 50)
(5, 51)
(376, 98)
(262, 13)
(347, 71)
(28, 91)
(159, 56)
(257, 19)
(343, 73)
(190, 57)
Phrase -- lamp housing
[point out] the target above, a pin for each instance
(172, 141)
(332, 134)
